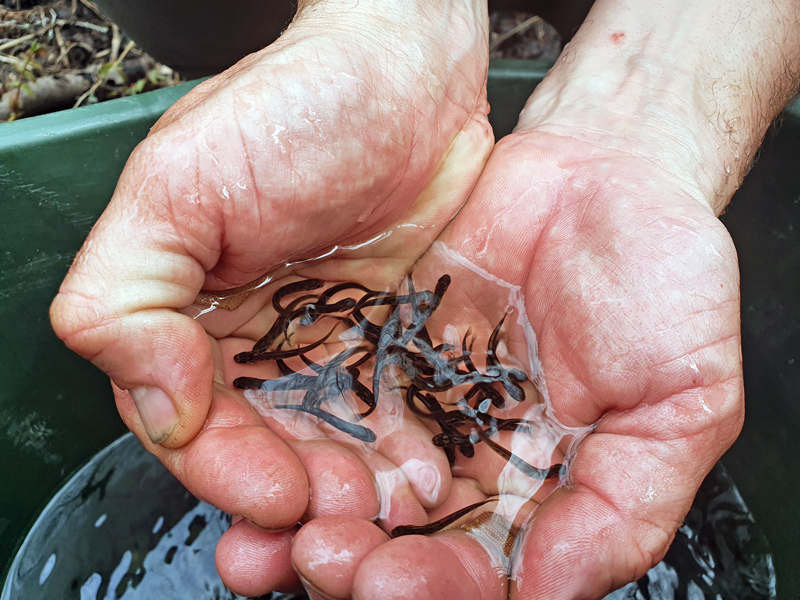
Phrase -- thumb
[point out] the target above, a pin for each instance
(117, 308)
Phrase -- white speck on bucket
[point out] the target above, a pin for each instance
(159, 524)
(119, 572)
(47, 568)
(91, 587)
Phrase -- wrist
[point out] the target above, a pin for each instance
(691, 86)
(636, 112)
(417, 53)
(452, 28)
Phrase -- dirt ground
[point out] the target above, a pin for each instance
(63, 53)
(522, 35)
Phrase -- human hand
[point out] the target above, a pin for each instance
(357, 120)
(624, 157)
(704, 190)
(603, 208)
(631, 286)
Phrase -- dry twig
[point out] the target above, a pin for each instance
(512, 32)
(101, 79)
(72, 38)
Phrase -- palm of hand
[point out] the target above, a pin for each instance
(242, 466)
(631, 286)
(403, 473)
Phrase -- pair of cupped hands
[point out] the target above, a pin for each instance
(353, 124)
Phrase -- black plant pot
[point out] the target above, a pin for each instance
(200, 37)
(204, 37)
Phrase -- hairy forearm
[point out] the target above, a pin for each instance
(691, 84)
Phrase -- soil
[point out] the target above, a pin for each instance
(64, 53)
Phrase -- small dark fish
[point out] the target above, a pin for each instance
(406, 344)
(250, 357)
(304, 285)
(280, 326)
(521, 465)
(355, 430)
(310, 312)
(341, 287)
(437, 526)
(494, 340)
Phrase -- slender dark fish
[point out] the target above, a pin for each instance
(436, 526)
(304, 285)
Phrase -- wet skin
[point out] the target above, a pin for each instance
(628, 280)
(407, 346)
(286, 187)
(661, 375)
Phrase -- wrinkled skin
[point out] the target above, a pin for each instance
(630, 283)
(632, 288)
(302, 146)
(354, 122)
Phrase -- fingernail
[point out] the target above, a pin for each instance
(312, 591)
(157, 412)
(265, 529)
(425, 478)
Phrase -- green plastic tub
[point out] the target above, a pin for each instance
(58, 171)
